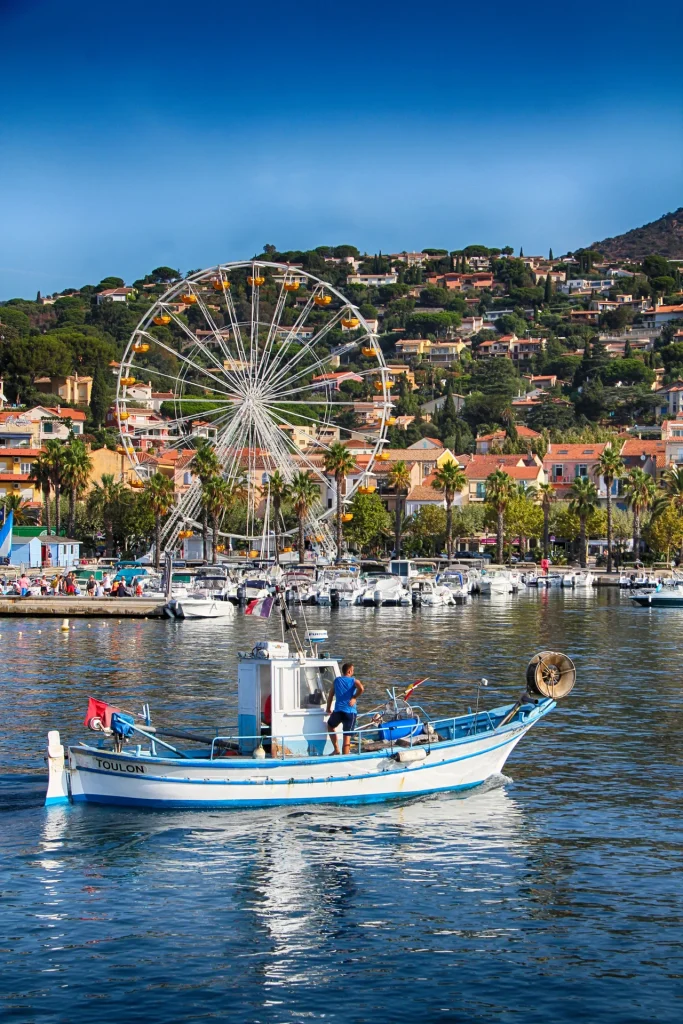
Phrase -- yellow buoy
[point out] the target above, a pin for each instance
(65, 626)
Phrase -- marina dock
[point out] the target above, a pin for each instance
(82, 607)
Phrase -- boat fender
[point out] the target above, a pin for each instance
(259, 753)
(410, 756)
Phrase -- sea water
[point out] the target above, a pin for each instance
(551, 894)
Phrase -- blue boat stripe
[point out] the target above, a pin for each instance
(374, 798)
(287, 782)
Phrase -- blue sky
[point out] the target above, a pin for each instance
(148, 133)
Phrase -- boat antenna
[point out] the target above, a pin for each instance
(288, 623)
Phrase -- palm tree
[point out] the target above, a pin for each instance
(673, 484)
(16, 504)
(279, 491)
(545, 495)
(610, 466)
(640, 492)
(339, 462)
(584, 500)
(105, 499)
(499, 492)
(41, 476)
(54, 455)
(160, 496)
(206, 465)
(450, 479)
(76, 473)
(399, 479)
(304, 493)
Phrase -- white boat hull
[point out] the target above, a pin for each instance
(199, 608)
(98, 776)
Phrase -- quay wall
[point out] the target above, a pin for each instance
(82, 607)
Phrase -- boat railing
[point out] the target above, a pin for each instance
(441, 729)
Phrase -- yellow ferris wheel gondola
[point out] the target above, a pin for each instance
(350, 322)
(128, 381)
(219, 285)
(322, 300)
(291, 286)
(368, 351)
(142, 346)
(162, 320)
(189, 299)
(255, 282)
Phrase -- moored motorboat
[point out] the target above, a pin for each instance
(198, 605)
(398, 751)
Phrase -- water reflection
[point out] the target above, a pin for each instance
(551, 897)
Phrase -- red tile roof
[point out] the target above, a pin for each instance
(573, 451)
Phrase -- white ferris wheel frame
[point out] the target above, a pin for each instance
(262, 378)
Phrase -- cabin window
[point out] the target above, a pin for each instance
(314, 684)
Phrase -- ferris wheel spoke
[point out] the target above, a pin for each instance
(274, 326)
(306, 347)
(193, 337)
(236, 331)
(292, 335)
(184, 359)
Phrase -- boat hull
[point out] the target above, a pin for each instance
(101, 777)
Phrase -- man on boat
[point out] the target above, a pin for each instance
(345, 689)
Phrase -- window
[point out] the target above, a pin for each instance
(187, 478)
(557, 472)
(581, 471)
(314, 684)
(481, 489)
(76, 427)
(47, 427)
(25, 467)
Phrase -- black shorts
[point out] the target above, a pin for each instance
(344, 718)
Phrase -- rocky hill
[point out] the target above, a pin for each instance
(663, 237)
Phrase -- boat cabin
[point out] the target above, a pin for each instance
(403, 568)
(281, 700)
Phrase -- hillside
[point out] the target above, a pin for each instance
(663, 237)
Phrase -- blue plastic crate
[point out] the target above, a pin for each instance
(399, 728)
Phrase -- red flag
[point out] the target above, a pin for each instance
(101, 711)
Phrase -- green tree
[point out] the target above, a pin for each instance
(673, 485)
(338, 463)
(640, 492)
(218, 495)
(41, 476)
(611, 467)
(450, 479)
(584, 500)
(370, 523)
(100, 395)
(206, 466)
(499, 493)
(160, 498)
(545, 496)
(399, 479)
(304, 493)
(77, 465)
(19, 506)
(104, 501)
(548, 290)
(54, 455)
(666, 532)
(279, 491)
(427, 527)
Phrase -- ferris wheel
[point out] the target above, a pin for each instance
(247, 355)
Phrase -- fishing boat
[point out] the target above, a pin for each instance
(280, 751)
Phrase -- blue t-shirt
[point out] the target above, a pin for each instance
(344, 689)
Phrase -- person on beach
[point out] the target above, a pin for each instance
(24, 585)
(90, 586)
(344, 691)
(106, 584)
